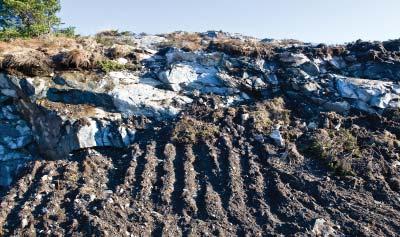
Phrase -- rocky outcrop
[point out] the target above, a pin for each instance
(72, 110)
(203, 134)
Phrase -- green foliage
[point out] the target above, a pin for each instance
(10, 33)
(29, 18)
(67, 32)
(110, 65)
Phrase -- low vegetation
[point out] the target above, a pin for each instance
(185, 41)
(111, 65)
(120, 51)
(190, 130)
(337, 148)
(112, 37)
(237, 48)
(269, 113)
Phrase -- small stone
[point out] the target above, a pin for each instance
(339, 107)
(240, 129)
(24, 223)
(277, 137)
(311, 87)
(245, 117)
(122, 61)
(259, 138)
(312, 126)
(292, 58)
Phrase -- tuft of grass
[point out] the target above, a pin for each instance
(269, 113)
(78, 58)
(335, 148)
(190, 130)
(120, 51)
(29, 61)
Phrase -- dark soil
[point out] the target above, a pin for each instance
(228, 182)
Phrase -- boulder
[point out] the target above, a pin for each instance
(179, 75)
(294, 59)
(375, 93)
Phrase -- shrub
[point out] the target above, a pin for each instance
(184, 40)
(111, 65)
(336, 148)
(112, 37)
(66, 32)
(7, 34)
(238, 48)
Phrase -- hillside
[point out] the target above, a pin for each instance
(200, 134)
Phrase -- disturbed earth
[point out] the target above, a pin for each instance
(199, 134)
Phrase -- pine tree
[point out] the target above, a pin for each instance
(29, 17)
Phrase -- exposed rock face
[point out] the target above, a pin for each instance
(74, 110)
(205, 134)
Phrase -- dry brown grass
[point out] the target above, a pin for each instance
(184, 40)
(50, 45)
(120, 51)
(78, 58)
(237, 48)
(269, 113)
(28, 61)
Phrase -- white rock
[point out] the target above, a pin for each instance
(149, 41)
(323, 228)
(396, 164)
(24, 223)
(338, 62)
(122, 61)
(311, 87)
(296, 59)
(178, 75)
(277, 137)
(312, 126)
(86, 134)
(373, 93)
(143, 99)
(245, 117)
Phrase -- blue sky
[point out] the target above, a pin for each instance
(330, 21)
